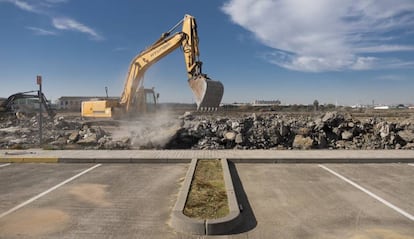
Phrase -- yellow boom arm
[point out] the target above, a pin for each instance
(142, 62)
(208, 93)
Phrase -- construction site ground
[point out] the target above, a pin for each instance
(112, 193)
(319, 199)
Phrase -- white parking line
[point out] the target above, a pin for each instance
(388, 204)
(4, 165)
(411, 164)
(48, 191)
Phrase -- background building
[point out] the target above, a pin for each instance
(265, 102)
(73, 103)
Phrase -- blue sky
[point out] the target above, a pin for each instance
(345, 51)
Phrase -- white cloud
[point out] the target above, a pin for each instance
(384, 48)
(327, 35)
(61, 23)
(23, 5)
(42, 32)
(73, 25)
(57, 1)
(51, 3)
(35, 6)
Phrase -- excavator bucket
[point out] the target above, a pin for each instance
(207, 92)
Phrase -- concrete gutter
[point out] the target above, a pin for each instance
(185, 156)
(218, 226)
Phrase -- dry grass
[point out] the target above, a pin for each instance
(207, 198)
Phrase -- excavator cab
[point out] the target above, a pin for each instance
(145, 100)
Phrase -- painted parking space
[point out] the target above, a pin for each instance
(135, 201)
(49, 190)
(392, 182)
(304, 201)
(4, 164)
(21, 182)
(130, 200)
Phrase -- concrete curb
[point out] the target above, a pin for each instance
(179, 221)
(210, 226)
(322, 160)
(187, 160)
(90, 160)
(185, 156)
(29, 160)
(122, 160)
(226, 224)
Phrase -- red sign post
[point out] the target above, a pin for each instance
(40, 94)
(39, 80)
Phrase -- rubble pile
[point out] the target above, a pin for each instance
(330, 130)
(58, 133)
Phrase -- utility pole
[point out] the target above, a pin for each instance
(40, 94)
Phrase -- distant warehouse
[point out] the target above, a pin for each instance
(382, 107)
(265, 102)
(73, 103)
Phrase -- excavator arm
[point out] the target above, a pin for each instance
(208, 93)
(142, 62)
(8, 105)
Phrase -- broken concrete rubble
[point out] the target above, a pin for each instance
(301, 142)
(331, 130)
(407, 135)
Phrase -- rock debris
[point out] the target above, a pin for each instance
(330, 130)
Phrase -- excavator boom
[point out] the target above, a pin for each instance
(208, 93)
(142, 62)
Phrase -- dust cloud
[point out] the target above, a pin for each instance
(152, 131)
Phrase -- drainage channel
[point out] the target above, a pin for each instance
(219, 226)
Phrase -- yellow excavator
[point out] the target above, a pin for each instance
(136, 100)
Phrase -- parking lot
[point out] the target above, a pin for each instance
(354, 201)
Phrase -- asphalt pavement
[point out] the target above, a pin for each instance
(355, 201)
